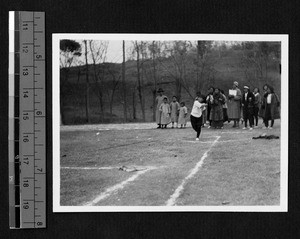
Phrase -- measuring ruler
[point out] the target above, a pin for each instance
(27, 125)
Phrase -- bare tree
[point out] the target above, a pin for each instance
(78, 63)
(70, 50)
(87, 86)
(98, 51)
(155, 49)
(124, 83)
(175, 66)
(204, 65)
(115, 76)
(139, 49)
(256, 58)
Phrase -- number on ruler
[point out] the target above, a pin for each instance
(25, 205)
(25, 116)
(26, 160)
(25, 26)
(25, 94)
(25, 49)
(39, 112)
(40, 169)
(25, 71)
(25, 138)
(25, 183)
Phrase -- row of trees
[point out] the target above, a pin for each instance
(189, 66)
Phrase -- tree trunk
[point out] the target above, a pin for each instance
(101, 104)
(198, 66)
(87, 95)
(78, 74)
(139, 79)
(111, 104)
(266, 70)
(111, 108)
(112, 101)
(154, 105)
(124, 84)
(133, 106)
(155, 83)
(99, 92)
(178, 88)
(62, 99)
(62, 115)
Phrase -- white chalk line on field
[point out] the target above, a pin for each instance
(222, 141)
(89, 168)
(116, 187)
(238, 132)
(176, 194)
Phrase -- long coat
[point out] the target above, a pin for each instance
(165, 113)
(248, 103)
(275, 112)
(216, 112)
(234, 106)
(208, 101)
(182, 115)
(261, 112)
(174, 106)
(257, 102)
(159, 100)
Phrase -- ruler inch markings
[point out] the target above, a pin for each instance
(29, 186)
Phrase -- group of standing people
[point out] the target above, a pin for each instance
(169, 113)
(215, 108)
(245, 107)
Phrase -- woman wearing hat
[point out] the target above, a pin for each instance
(216, 112)
(208, 99)
(234, 104)
(248, 101)
(271, 105)
(159, 100)
(262, 110)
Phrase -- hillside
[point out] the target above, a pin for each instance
(223, 69)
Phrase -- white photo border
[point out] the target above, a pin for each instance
(283, 38)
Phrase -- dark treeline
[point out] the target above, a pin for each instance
(93, 91)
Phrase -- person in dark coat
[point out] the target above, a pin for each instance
(271, 105)
(216, 112)
(225, 115)
(248, 100)
(208, 100)
(262, 109)
(257, 105)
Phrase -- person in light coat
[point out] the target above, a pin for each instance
(182, 115)
(174, 106)
(234, 105)
(165, 110)
(159, 100)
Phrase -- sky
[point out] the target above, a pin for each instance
(114, 51)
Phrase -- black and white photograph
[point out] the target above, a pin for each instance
(170, 122)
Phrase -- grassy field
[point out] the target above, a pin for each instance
(230, 168)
